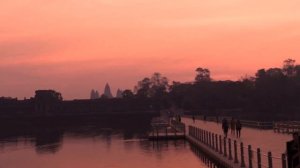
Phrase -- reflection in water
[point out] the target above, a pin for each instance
(47, 136)
(93, 145)
(128, 135)
(107, 133)
(48, 141)
(162, 145)
(209, 162)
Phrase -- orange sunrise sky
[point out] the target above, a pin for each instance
(74, 46)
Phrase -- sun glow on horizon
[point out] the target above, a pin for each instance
(74, 46)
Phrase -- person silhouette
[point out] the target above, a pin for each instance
(225, 126)
(238, 127)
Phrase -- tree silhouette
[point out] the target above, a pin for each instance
(143, 88)
(155, 86)
(159, 85)
(289, 67)
(127, 94)
(203, 75)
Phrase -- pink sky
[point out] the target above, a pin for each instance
(73, 46)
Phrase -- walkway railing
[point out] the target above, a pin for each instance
(179, 126)
(287, 127)
(257, 124)
(246, 123)
(163, 130)
(236, 152)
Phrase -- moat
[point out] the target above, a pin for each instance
(111, 144)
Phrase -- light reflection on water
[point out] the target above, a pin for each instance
(94, 146)
(101, 151)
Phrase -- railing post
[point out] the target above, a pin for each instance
(206, 137)
(201, 135)
(229, 149)
(153, 132)
(209, 139)
(258, 158)
(206, 134)
(175, 132)
(166, 132)
(216, 137)
(156, 133)
(194, 132)
(242, 155)
(220, 142)
(225, 145)
(250, 156)
(283, 159)
(213, 140)
(270, 160)
(235, 152)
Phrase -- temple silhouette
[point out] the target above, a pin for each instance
(106, 93)
(51, 103)
(119, 93)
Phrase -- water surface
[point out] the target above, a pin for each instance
(95, 146)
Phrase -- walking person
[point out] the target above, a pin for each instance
(238, 127)
(232, 126)
(193, 119)
(225, 126)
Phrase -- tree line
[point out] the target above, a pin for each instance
(272, 93)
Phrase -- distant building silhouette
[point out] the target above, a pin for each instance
(46, 101)
(50, 103)
(119, 93)
(94, 94)
(97, 95)
(103, 96)
(107, 91)
(7, 98)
